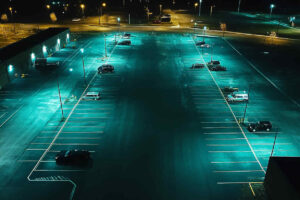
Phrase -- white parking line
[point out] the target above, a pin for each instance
(11, 115)
(59, 170)
(224, 133)
(239, 171)
(224, 183)
(264, 76)
(83, 132)
(253, 144)
(232, 162)
(231, 127)
(3, 115)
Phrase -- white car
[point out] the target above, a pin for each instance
(240, 96)
(91, 96)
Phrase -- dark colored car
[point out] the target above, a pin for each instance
(214, 62)
(230, 89)
(127, 35)
(72, 157)
(105, 68)
(200, 43)
(198, 66)
(260, 126)
(156, 22)
(125, 42)
(216, 68)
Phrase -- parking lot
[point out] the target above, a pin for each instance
(161, 130)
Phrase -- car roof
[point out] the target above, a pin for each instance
(265, 122)
(92, 93)
(240, 92)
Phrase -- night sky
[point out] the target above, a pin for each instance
(35, 7)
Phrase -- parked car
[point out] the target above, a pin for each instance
(216, 68)
(156, 22)
(260, 126)
(91, 96)
(230, 89)
(125, 42)
(214, 62)
(43, 64)
(72, 157)
(197, 66)
(105, 68)
(126, 35)
(241, 96)
(200, 43)
(205, 46)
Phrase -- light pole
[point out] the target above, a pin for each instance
(160, 8)
(195, 24)
(103, 5)
(119, 19)
(204, 29)
(105, 46)
(82, 6)
(239, 5)
(211, 10)
(195, 5)
(271, 9)
(61, 106)
(200, 4)
(82, 51)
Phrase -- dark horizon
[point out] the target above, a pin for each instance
(35, 8)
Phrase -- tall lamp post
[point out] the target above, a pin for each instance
(239, 5)
(82, 6)
(204, 29)
(82, 51)
(271, 9)
(200, 4)
(119, 19)
(195, 5)
(103, 5)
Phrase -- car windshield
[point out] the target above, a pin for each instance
(67, 153)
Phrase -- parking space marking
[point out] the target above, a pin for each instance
(11, 115)
(240, 171)
(3, 115)
(224, 183)
(232, 162)
(92, 132)
(253, 144)
(59, 170)
(224, 133)
(232, 127)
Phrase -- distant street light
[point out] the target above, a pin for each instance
(211, 10)
(82, 6)
(271, 9)
(195, 24)
(103, 5)
(48, 6)
(238, 10)
(200, 4)
(160, 9)
(195, 5)
(10, 68)
(10, 9)
(82, 51)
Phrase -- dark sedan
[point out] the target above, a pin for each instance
(72, 157)
(260, 126)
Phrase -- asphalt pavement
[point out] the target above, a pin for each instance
(161, 130)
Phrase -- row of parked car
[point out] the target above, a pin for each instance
(80, 157)
(232, 94)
